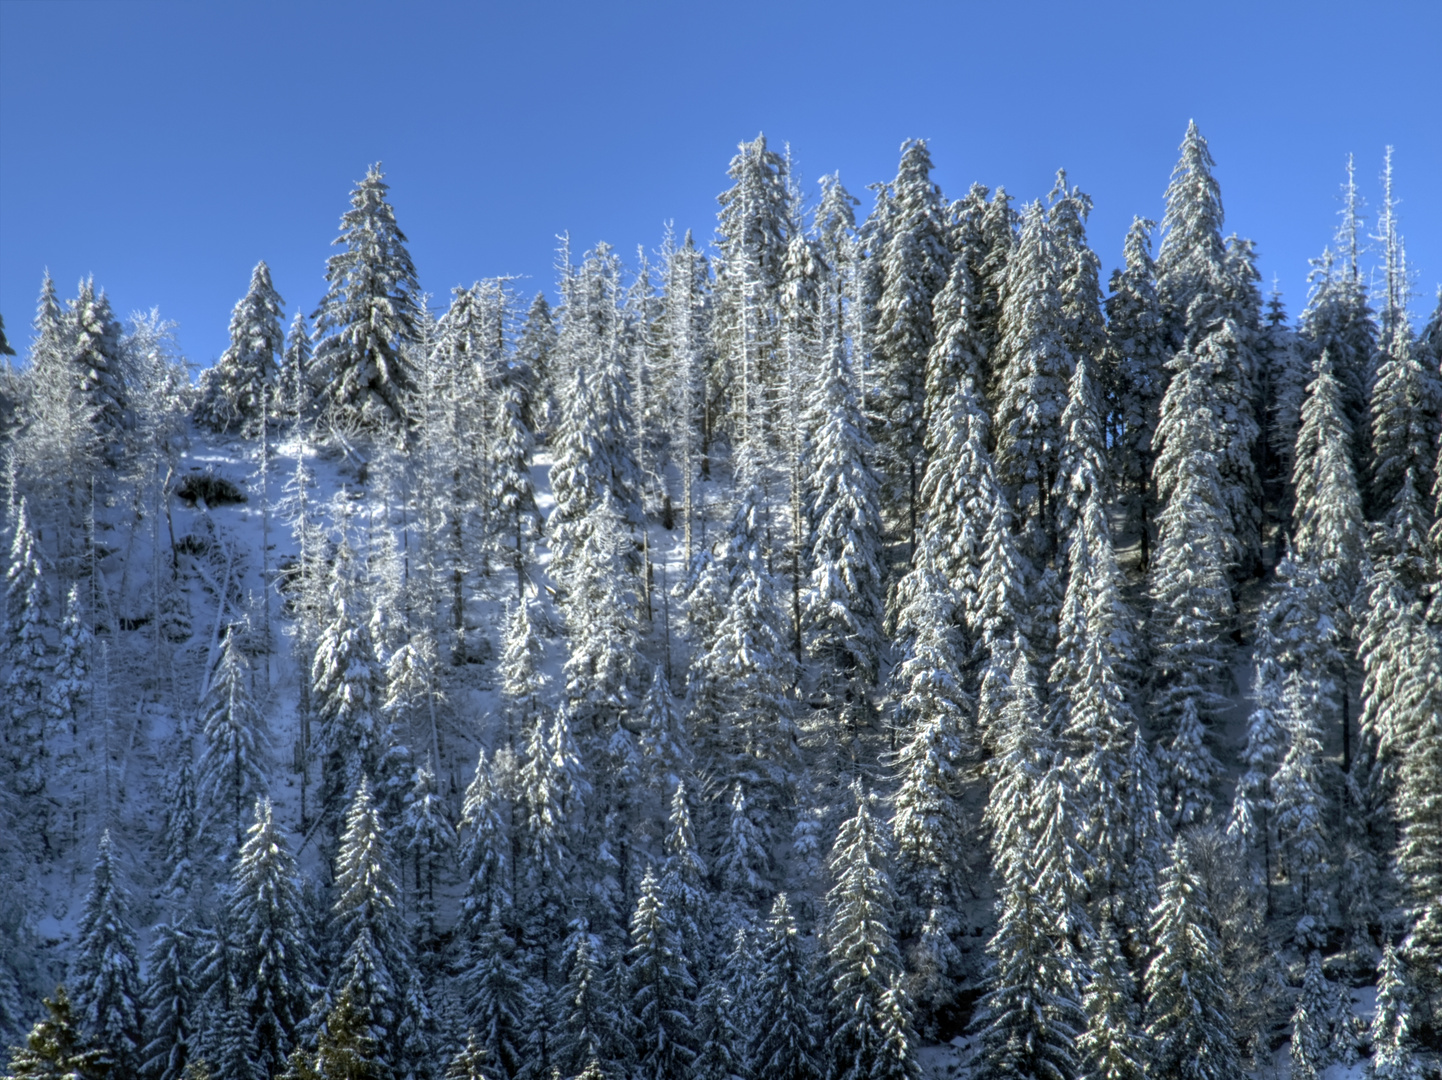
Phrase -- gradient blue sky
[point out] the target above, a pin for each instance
(166, 147)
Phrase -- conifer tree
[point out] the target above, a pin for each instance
(718, 1033)
(1251, 807)
(106, 971)
(783, 1044)
(662, 989)
(1301, 808)
(862, 959)
(1035, 368)
(1187, 1021)
(1419, 813)
(271, 945)
(1392, 1052)
(231, 770)
(96, 363)
(374, 971)
(1112, 1046)
(295, 386)
(665, 744)
(498, 1005)
(592, 1022)
(1406, 404)
(363, 376)
(343, 693)
(1309, 1022)
(842, 612)
(70, 688)
(1136, 358)
(742, 863)
(1192, 603)
(485, 853)
(913, 266)
(169, 1002)
(242, 385)
(55, 1049)
(27, 653)
(426, 838)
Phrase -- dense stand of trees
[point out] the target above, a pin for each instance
(872, 679)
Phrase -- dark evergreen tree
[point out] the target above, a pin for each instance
(662, 989)
(169, 1002)
(783, 1045)
(106, 971)
(232, 767)
(55, 1049)
(271, 946)
(913, 267)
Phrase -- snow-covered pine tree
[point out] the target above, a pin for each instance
(743, 863)
(410, 707)
(535, 345)
(1310, 1022)
(425, 838)
(97, 364)
(498, 1004)
(744, 673)
(862, 962)
(1300, 805)
(665, 743)
(1112, 1046)
(294, 388)
(1406, 420)
(1035, 367)
(106, 969)
(1191, 594)
(515, 521)
(753, 234)
(1393, 1056)
(343, 692)
(363, 377)
(843, 605)
(1328, 510)
(56, 1047)
(718, 1033)
(243, 384)
(1339, 319)
(1186, 1014)
(602, 598)
(169, 1001)
(231, 773)
(1136, 354)
(784, 1044)
(914, 263)
(27, 653)
(1419, 813)
(685, 318)
(1080, 284)
(662, 989)
(1206, 306)
(271, 944)
(545, 861)
(592, 1022)
(1250, 823)
(69, 691)
(373, 967)
(485, 854)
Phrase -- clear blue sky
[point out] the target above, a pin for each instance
(166, 147)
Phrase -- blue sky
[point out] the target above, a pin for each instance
(166, 147)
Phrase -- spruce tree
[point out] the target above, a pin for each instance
(28, 655)
(374, 971)
(913, 267)
(1192, 603)
(1297, 794)
(662, 989)
(1035, 368)
(55, 1049)
(426, 837)
(232, 767)
(862, 962)
(842, 612)
(271, 945)
(363, 376)
(592, 1023)
(743, 862)
(96, 363)
(1187, 1020)
(1135, 358)
(1310, 1022)
(106, 970)
(169, 1002)
(243, 384)
(1393, 1057)
(485, 853)
(1406, 419)
(1112, 1046)
(784, 1043)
